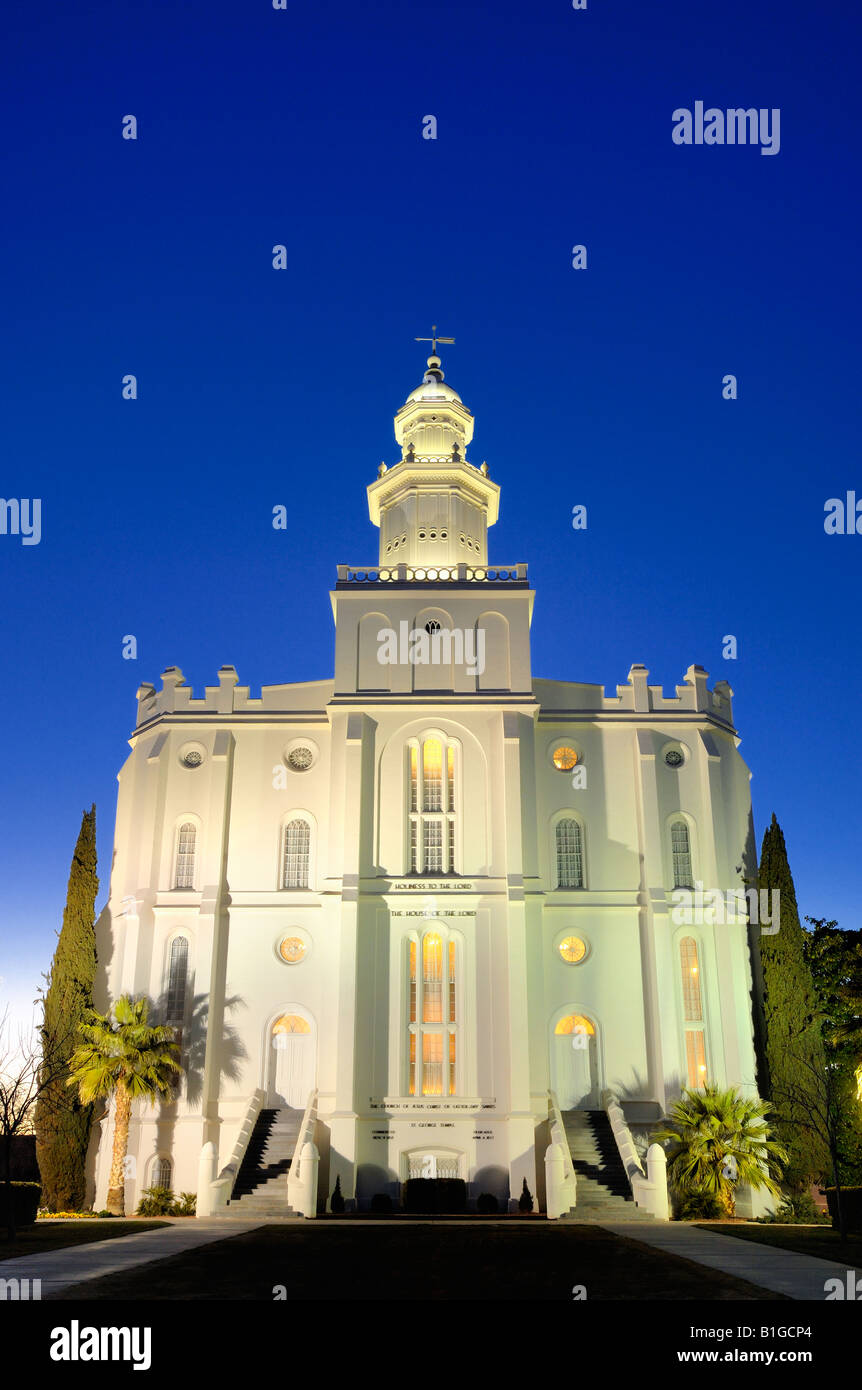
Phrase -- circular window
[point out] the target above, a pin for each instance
(572, 949)
(193, 758)
(300, 758)
(432, 626)
(674, 758)
(292, 950)
(565, 758)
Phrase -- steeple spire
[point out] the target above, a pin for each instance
(433, 507)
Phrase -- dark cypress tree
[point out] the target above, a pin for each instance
(62, 1123)
(834, 957)
(795, 1060)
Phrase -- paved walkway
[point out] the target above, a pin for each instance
(76, 1263)
(781, 1271)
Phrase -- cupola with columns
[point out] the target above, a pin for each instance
(433, 507)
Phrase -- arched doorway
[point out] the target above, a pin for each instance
(292, 1061)
(575, 1063)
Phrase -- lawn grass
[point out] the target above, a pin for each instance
(418, 1261)
(57, 1235)
(820, 1241)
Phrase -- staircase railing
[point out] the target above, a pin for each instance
(302, 1174)
(566, 1194)
(648, 1192)
(222, 1188)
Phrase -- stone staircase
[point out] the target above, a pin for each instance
(260, 1189)
(603, 1188)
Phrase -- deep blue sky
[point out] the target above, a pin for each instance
(259, 387)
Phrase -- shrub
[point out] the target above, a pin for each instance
(187, 1204)
(698, 1206)
(156, 1201)
(105, 1214)
(381, 1203)
(25, 1203)
(797, 1209)
(525, 1201)
(336, 1204)
(487, 1204)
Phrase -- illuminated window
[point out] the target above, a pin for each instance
(432, 979)
(432, 1064)
(570, 854)
(565, 758)
(432, 774)
(291, 1023)
(572, 949)
(692, 1013)
(432, 996)
(692, 1010)
(575, 1023)
(292, 950)
(680, 844)
(695, 1058)
(184, 876)
(295, 853)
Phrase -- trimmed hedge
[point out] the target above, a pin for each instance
(851, 1201)
(25, 1203)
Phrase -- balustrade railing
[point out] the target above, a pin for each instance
(434, 574)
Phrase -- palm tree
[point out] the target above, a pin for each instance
(718, 1138)
(126, 1055)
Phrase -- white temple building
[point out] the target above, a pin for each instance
(420, 915)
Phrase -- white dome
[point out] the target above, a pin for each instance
(433, 390)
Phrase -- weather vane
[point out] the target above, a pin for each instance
(434, 340)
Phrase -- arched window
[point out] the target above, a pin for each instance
(295, 853)
(175, 1008)
(432, 1015)
(692, 1013)
(184, 876)
(680, 847)
(574, 1023)
(290, 1023)
(432, 806)
(570, 854)
(162, 1173)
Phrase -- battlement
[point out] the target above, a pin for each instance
(556, 698)
(229, 697)
(638, 697)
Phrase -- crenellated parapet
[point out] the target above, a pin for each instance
(639, 697)
(227, 698)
